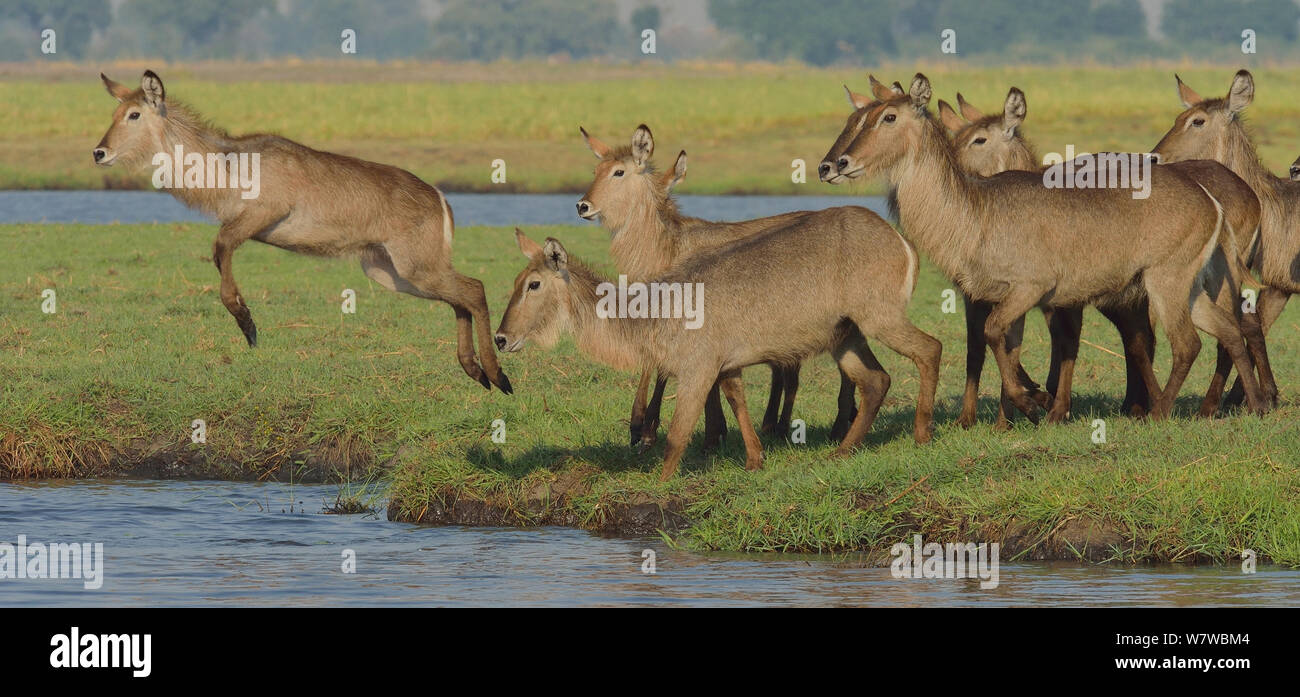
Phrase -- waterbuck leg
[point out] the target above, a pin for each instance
(1270, 305)
(735, 392)
(859, 366)
(232, 234)
(692, 390)
(846, 410)
(464, 292)
(997, 333)
(1222, 325)
(1139, 341)
(773, 411)
(1066, 325)
(977, 313)
(1253, 330)
(790, 384)
(650, 427)
(901, 336)
(465, 346)
(1167, 290)
(637, 422)
(715, 421)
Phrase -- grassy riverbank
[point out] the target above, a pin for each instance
(139, 347)
(742, 124)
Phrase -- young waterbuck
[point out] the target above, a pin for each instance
(1011, 240)
(1213, 129)
(989, 144)
(312, 202)
(648, 234)
(779, 296)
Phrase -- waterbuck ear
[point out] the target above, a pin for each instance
(677, 173)
(556, 258)
(1242, 92)
(950, 117)
(968, 110)
(597, 147)
(643, 145)
(920, 91)
(527, 246)
(857, 101)
(1295, 170)
(152, 87)
(117, 89)
(1187, 95)
(881, 92)
(1013, 112)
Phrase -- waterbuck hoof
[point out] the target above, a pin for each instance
(645, 445)
(503, 383)
(484, 381)
(250, 334)
(769, 427)
(1043, 399)
(1058, 416)
(838, 431)
(966, 420)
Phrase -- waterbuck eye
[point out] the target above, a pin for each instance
(890, 118)
(1198, 122)
(134, 115)
(980, 140)
(534, 285)
(618, 173)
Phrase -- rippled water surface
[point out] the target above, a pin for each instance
(224, 543)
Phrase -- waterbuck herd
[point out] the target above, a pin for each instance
(967, 191)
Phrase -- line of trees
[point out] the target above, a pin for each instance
(822, 32)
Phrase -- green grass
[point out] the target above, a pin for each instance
(140, 346)
(742, 124)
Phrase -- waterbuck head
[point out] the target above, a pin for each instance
(138, 121)
(987, 145)
(539, 306)
(1208, 129)
(888, 131)
(625, 183)
(861, 104)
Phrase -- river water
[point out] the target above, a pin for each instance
(470, 209)
(238, 544)
(224, 543)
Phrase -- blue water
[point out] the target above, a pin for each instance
(94, 207)
(239, 544)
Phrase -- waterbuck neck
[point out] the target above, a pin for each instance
(645, 244)
(185, 128)
(1238, 154)
(936, 203)
(621, 343)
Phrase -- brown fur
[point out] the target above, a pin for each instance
(1165, 242)
(316, 203)
(648, 235)
(1222, 136)
(781, 296)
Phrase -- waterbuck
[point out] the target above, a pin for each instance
(648, 234)
(1011, 240)
(780, 296)
(1213, 129)
(308, 201)
(988, 144)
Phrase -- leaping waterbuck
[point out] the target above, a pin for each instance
(648, 234)
(1012, 240)
(308, 201)
(780, 296)
(1213, 129)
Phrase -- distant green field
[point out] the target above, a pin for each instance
(140, 346)
(742, 124)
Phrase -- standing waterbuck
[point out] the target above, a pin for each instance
(1014, 241)
(648, 234)
(988, 144)
(780, 296)
(307, 201)
(1213, 129)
